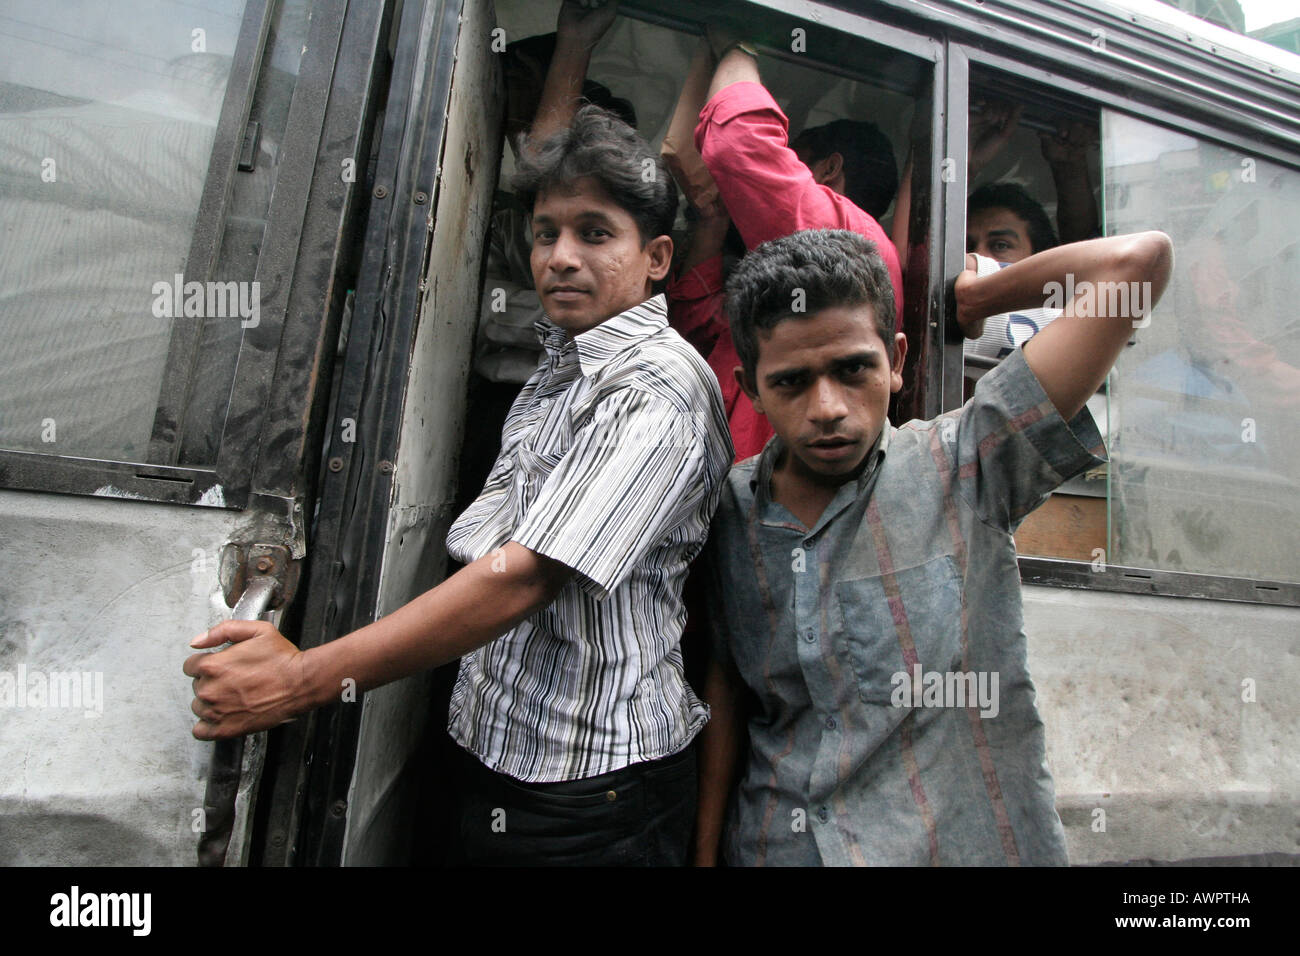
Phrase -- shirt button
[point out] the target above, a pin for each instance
(823, 815)
(611, 795)
(546, 403)
(810, 635)
(830, 723)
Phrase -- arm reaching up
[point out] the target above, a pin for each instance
(1112, 285)
(579, 28)
(1067, 155)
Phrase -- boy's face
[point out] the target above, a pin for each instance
(999, 234)
(824, 383)
(588, 261)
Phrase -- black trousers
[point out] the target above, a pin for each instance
(642, 815)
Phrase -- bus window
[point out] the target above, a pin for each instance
(1034, 174)
(1198, 413)
(109, 117)
(1205, 453)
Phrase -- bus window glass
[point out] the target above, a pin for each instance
(107, 116)
(243, 231)
(1205, 453)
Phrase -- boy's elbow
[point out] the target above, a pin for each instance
(1150, 257)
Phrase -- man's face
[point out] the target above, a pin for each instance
(588, 261)
(999, 234)
(824, 383)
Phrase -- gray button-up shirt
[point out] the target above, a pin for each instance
(894, 719)
(612, 459)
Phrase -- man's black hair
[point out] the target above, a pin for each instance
(816, 269)
(870, 173)
(1015, 199)
(600, 145)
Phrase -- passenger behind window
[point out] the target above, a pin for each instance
(1066, 151)
(1004, 224)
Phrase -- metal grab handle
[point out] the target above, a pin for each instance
(228, 755)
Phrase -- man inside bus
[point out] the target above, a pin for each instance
(570, 703)
(870, 689)
(1005, 224)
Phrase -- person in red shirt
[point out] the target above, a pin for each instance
(838, 176)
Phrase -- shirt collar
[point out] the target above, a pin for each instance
(762, 475)
(616, 334)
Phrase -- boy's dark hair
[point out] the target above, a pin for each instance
(1014, 198)
(600, 145)
(870, 173)
(832, 267)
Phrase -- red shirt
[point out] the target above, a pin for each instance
(744, 139)
(695, 310)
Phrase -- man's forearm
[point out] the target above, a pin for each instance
(719, 754)
(474, 606)
(1076, 209)
(562, 90)
(1029, 283)
(903, 211)
(1116, 282)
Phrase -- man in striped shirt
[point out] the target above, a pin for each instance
(868, 619)
(570, 702)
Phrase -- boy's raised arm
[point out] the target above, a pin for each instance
(1107, 287)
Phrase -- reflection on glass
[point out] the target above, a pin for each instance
(107, 117)
(1204, 440)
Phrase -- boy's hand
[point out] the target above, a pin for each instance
(1070, 145)
(583, 22)
(257, 683)
(969, 320)
(990, 131)
(719, 38)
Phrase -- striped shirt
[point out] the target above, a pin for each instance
(894, 719)
(612, 459)
(1007, 330)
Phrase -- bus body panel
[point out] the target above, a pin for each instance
(103, 771)
(1170, 723)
